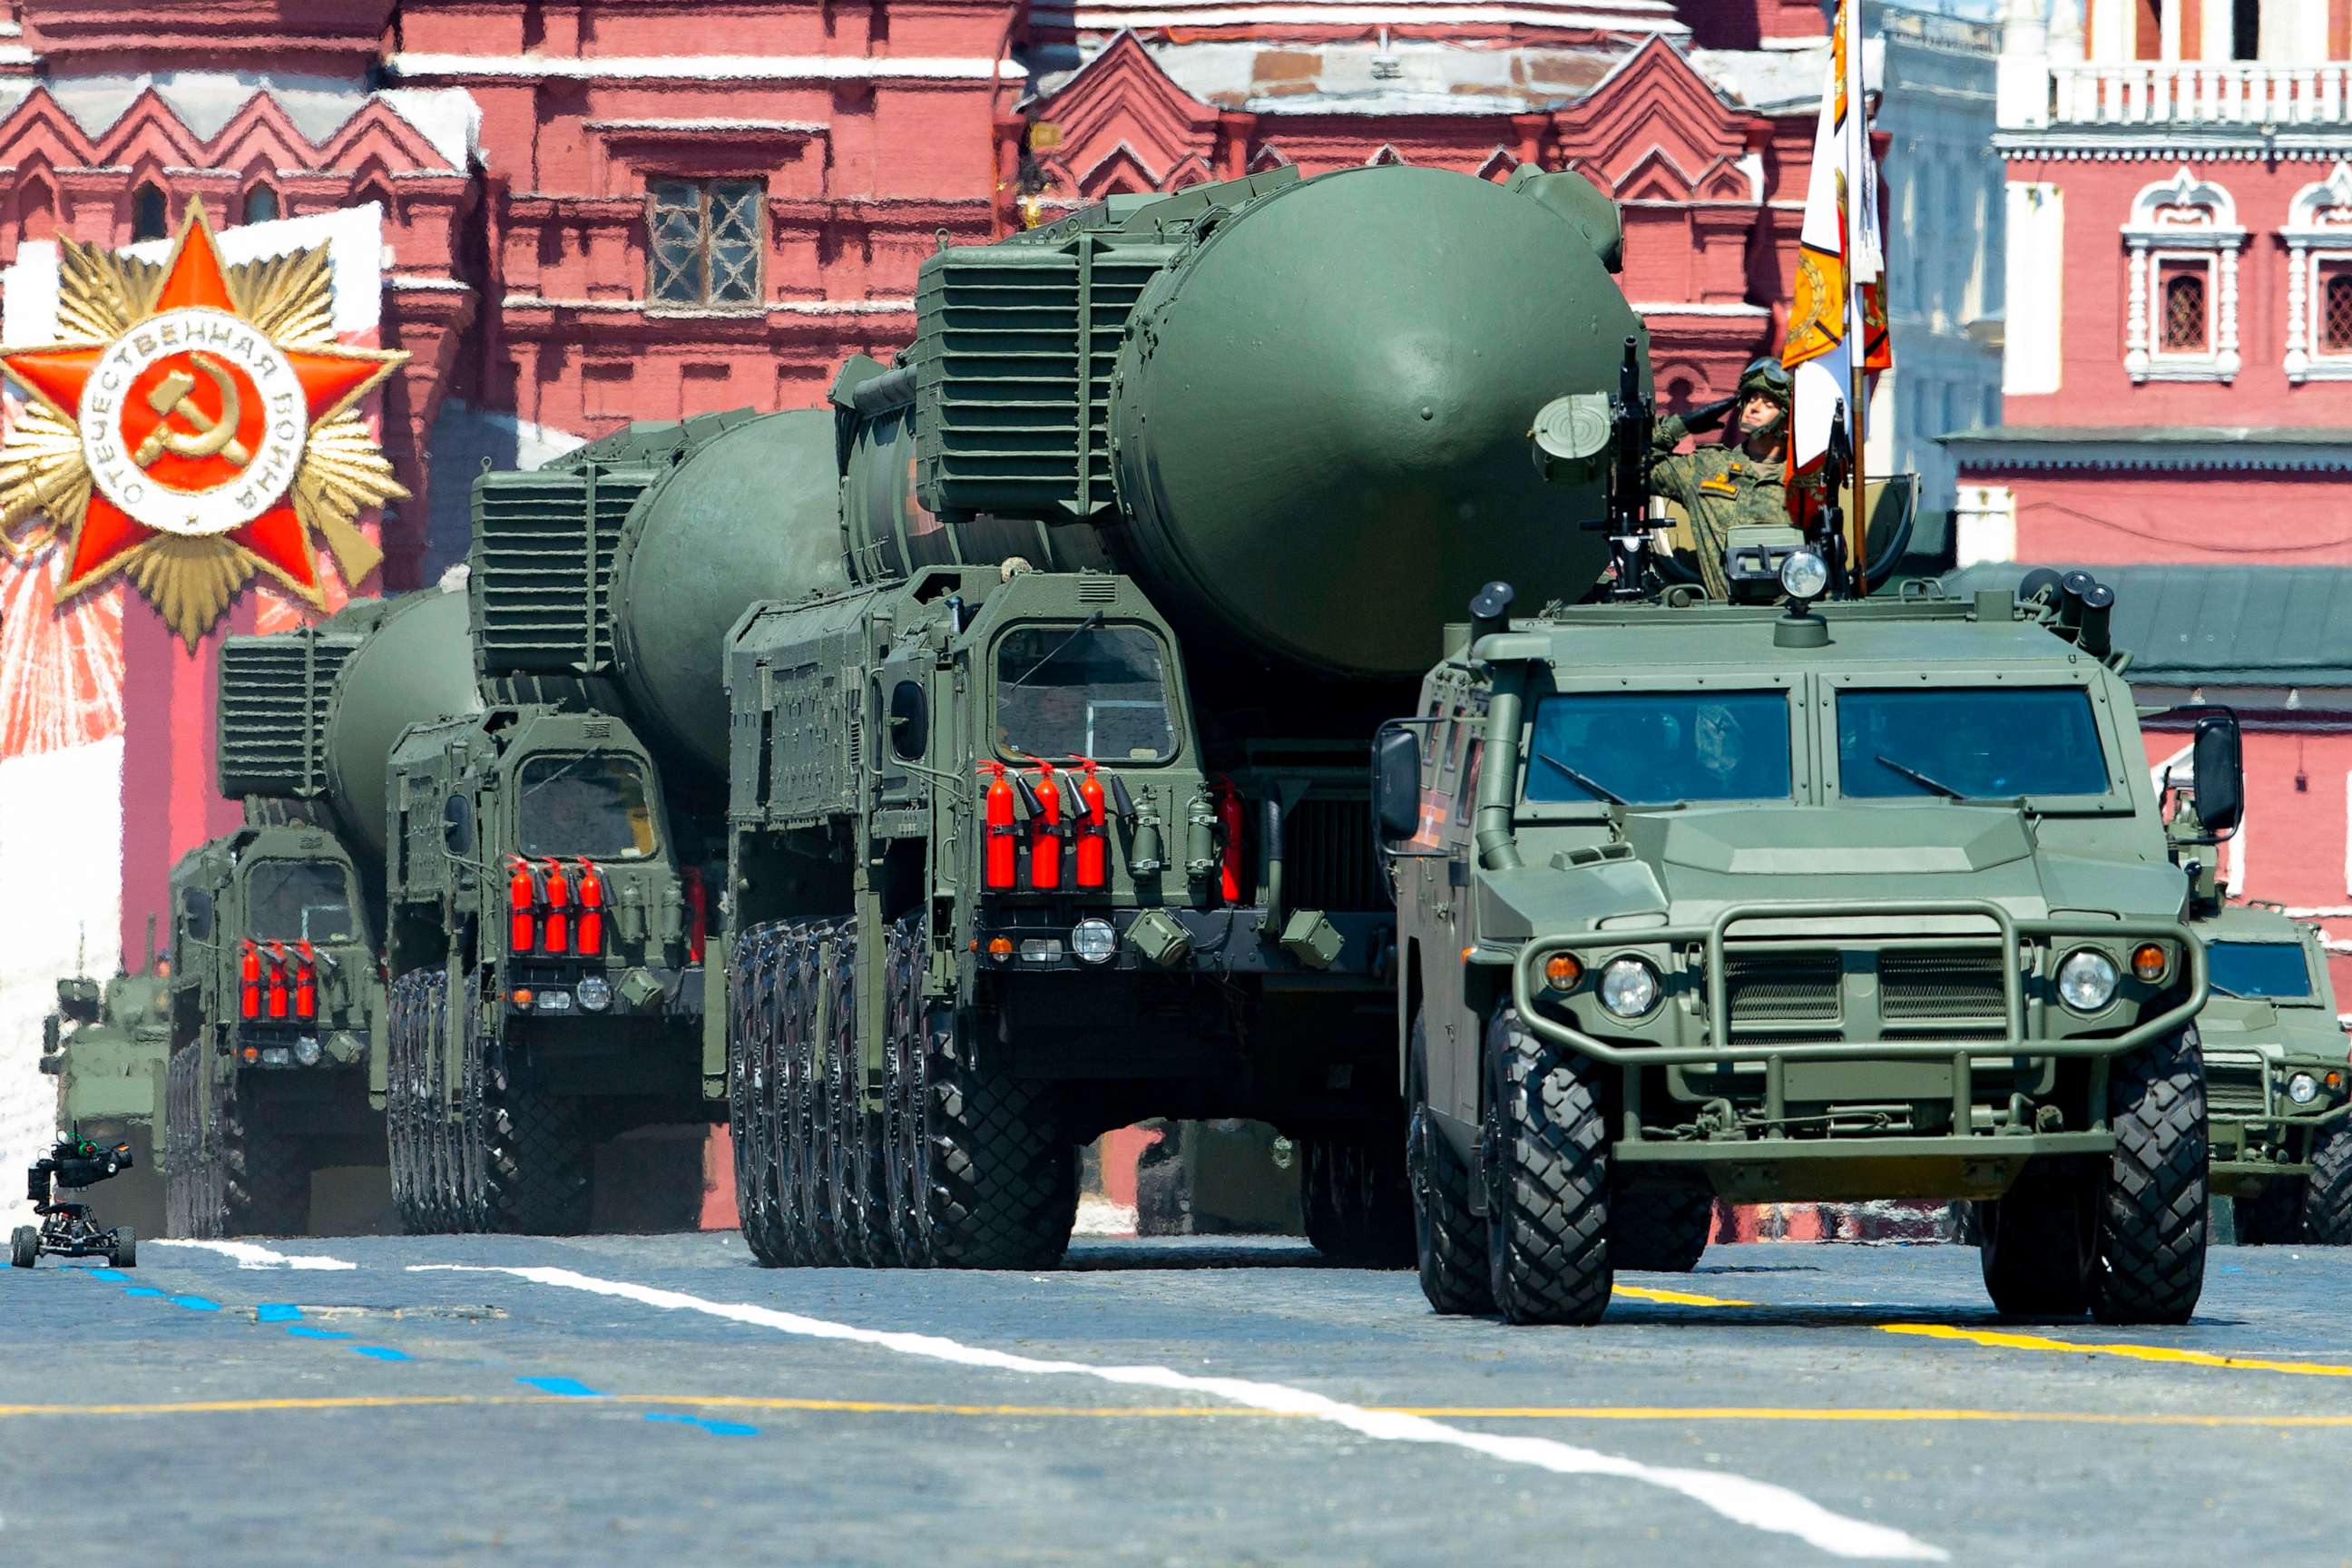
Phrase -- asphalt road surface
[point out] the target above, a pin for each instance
(643, 1400)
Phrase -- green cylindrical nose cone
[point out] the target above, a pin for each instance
(1322, 420)
(417, 666)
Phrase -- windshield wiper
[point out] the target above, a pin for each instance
(1582, 781)
(1090, 624)
(1916, 777)
(2218, 989)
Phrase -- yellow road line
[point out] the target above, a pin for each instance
(1162, 1412)
(1677, 1298)
(2127, 1353)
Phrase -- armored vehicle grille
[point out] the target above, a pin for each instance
(1920, 985)
(2236, 1083)
(541, 568)
(1328, 861)
(1016, 346)
(273, 711)
(1781, 988)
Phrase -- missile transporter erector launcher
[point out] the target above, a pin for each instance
(279, 1020)
(555, 853)
(1057, 818)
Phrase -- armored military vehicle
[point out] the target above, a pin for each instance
(2277, 1079)
(279, 1064)
(555, 852)
(1056, 816)
(1226, 1178)
(1855, 901)
(105, 1045)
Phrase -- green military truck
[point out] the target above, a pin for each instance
(555, 854)
(106, 1045)
(278, 1063)
(1056, 819)
(2275, 1078)
(1848, 902)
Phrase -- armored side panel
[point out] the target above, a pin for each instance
(799, 673)
(417, 664)
(1305, 452)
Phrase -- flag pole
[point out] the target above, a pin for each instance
(1857, 335)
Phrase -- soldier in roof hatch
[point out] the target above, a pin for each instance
(1741, 479)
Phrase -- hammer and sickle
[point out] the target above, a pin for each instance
(212, 438)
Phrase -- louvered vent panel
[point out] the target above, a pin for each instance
(272, 721)
(542, 574)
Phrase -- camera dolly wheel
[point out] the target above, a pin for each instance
(25, 1247)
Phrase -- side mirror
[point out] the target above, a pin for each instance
(2218, 770)
(457, 825)
(196, 913)
(909, 722)
(1396, 785)
(52, 1035)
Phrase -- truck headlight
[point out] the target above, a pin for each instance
(306, 1050)
(2086, 980)
(1804, 576)
(1629, 988)
(2303, 1088)
(595, 992)
(1094, 940)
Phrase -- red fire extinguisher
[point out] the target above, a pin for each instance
(1229, 828)
(1003, 852)
(1046, 844)
(1094, 829)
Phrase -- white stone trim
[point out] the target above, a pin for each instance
(2318, 230)
(707, 67)
(1984, 525)
(2033, 289)
(2183, 218)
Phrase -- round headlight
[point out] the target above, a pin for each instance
(1094, 940)
(1804, 576)
(2086, 980)
(2303, 1088)
(595, 992)
(1629, 988)
(306, 1050)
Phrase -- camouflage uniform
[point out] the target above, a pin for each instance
(1718, 485)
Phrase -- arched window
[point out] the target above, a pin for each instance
(2335, 313)
(2184, 312)
(260, 204)
(151, 216)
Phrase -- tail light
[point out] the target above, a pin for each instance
(1092, 855)
(697, 912)
(522, 903)
(306, 984)
(1229, 828)
(1046, 838)
(588, 931)
(248, 974)
(1003, 852)
(558, 934)
(277, 980)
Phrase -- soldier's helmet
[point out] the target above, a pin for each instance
(1766, 377)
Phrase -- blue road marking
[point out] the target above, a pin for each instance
(103, 1273)
(716, 1428)
(277, 1313)
(380, 1352)
(303, 1331)
(196, 1303)
(140, 1290)
(568, 1387)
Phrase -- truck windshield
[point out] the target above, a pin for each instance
(2268, 969)
(1088, 690)
(299, 901)
(1970, 743)
(1654, 748)
(591, 806)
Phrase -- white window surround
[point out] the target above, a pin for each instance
(2318, 231)
(2182, 218)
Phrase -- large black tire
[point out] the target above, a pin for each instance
(2036, 1242)
(810, 1140)
(125, 1251)
(752, 1101)
(907, 1142)
(537, 1176)
(1449, 1240)
(861, 1212)
(1003, 1181)
(2150, 1264)
(269, 1174)
(414, 1106)
(1660, 1229)
(1357, 1200)
(1546, 1153)
(2271, 1218)
(24, 1247)
(2327, 1198)
(195, 1202)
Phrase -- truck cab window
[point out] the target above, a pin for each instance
(591, 806)
(1655, 748)
(1090, 690)
(2273, 970)
(1968, 743)
(299, 901)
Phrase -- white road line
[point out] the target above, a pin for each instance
(1743, 1500)
(249, 1256)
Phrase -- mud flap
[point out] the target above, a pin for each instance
(718, 957)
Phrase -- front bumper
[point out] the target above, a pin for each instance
(1240, 941)
(2257, 1133)
(278, 1046)
(630, 991)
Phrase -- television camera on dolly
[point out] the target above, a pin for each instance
(65, 1229)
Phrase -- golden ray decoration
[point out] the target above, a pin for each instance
(50, 482)
(191, 581)
(101, 294)
(343, 470)
(289, 298)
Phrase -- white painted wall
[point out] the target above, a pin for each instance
(2032, 298)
